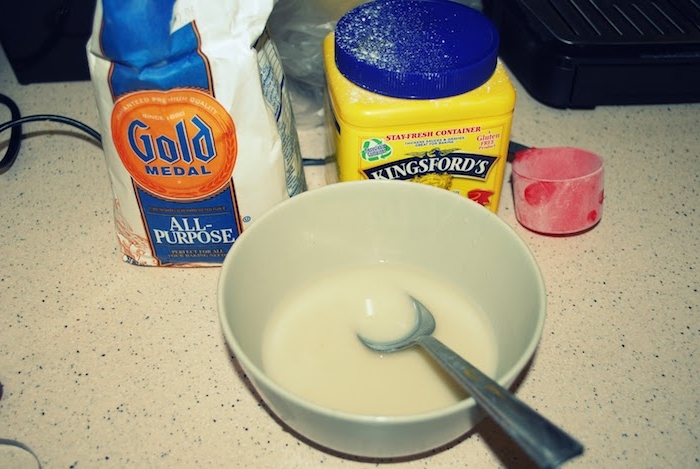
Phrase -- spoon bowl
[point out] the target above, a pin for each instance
(424, 326)
(548, 445)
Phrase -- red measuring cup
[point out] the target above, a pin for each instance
(558, 190)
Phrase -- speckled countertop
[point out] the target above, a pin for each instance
(109, 365)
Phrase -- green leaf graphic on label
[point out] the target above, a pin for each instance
(375, 149)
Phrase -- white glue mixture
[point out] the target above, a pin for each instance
(310, 345)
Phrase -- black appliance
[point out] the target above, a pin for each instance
(585, 53)
(45, 40)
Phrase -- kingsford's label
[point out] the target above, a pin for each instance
(468, 160)
(456, 164)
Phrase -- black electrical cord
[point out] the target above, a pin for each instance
(10, 155)
(53, 118)
(17, 120)
(317, 161)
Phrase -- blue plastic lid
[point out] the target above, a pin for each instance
(419, 49)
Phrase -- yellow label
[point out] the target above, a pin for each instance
(468, 160)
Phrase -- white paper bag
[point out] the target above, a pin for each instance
(198, 130)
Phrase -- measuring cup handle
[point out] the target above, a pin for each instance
(547, 445)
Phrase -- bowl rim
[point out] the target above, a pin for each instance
(508, 377)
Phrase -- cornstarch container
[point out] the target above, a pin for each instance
(416, 92)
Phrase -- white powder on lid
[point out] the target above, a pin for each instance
(403, 36)
(416, 48)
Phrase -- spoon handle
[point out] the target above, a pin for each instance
(547, 445)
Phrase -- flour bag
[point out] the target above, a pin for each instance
(197, 126)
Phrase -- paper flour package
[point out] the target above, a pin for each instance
(198, 131)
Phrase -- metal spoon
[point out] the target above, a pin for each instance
(547, 445)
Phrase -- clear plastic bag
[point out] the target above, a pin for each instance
(298, 28)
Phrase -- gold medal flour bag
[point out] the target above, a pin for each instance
(198, 131)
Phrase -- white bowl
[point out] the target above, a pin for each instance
(372, 221)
